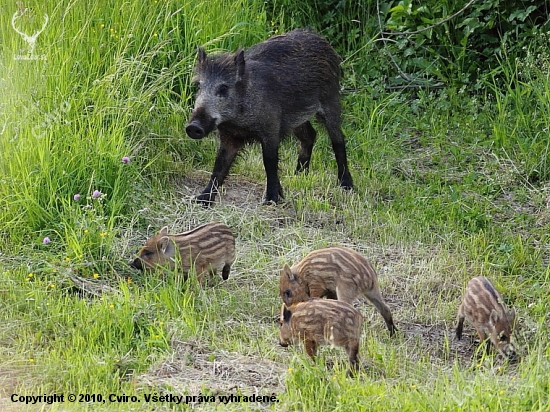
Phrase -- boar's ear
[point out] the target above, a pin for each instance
(287, 314)
(165, 245)
(288, 273)
(239, 64)
(201, 55)
(164, 231)
(494, 318)
(511, 315)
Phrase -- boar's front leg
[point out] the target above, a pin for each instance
(227, 151)
(484, 338)
(352, 350)
(270, 152)
(311, 347)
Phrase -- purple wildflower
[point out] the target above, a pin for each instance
(46, 240)
(125, 160)
(76, 197)
(96, 194)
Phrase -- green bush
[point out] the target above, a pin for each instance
(466, 46)
(417, 42)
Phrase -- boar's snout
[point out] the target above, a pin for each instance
(194, 130)
(136, 264)
(283, 344)
(511, 354)
(201, 123)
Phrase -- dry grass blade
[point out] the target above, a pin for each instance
(193, 369)
(90, 288)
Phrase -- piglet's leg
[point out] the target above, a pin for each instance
(353, 350)
(311, 348)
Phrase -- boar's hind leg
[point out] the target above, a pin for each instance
(225, 271)
(227, 151)
(306, 134)
(459, 323)
(331, 119)
(376, 298)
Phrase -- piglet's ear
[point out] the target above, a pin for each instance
(164, 245)
(494, 318)
(164, 231)
(239, 64)
(286, 272)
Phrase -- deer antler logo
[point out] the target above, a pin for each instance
(31, 40)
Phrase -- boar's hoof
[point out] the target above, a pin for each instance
(194, 130)
(273, 197)
(353, 369)
(346, 184)
(205, 203)
(205, 199)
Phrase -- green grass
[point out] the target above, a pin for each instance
(449, 185)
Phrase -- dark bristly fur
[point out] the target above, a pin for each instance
(264, 93)
(336, 273)
(322, 322)
(483, 306)
(207, 248)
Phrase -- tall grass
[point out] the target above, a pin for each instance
(109, 80)
(522, 99)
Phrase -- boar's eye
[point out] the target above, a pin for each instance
(146, 253)
(287, 293)
(222, 90)
(503, 337)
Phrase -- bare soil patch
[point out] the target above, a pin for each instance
(193, 369)
(438, 340)
(236, 190)
(10, 378)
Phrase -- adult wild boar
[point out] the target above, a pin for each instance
(262, 94)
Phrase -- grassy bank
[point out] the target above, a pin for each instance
(449, 185)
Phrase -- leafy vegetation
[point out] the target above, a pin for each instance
(451, 182)
(423, 43)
